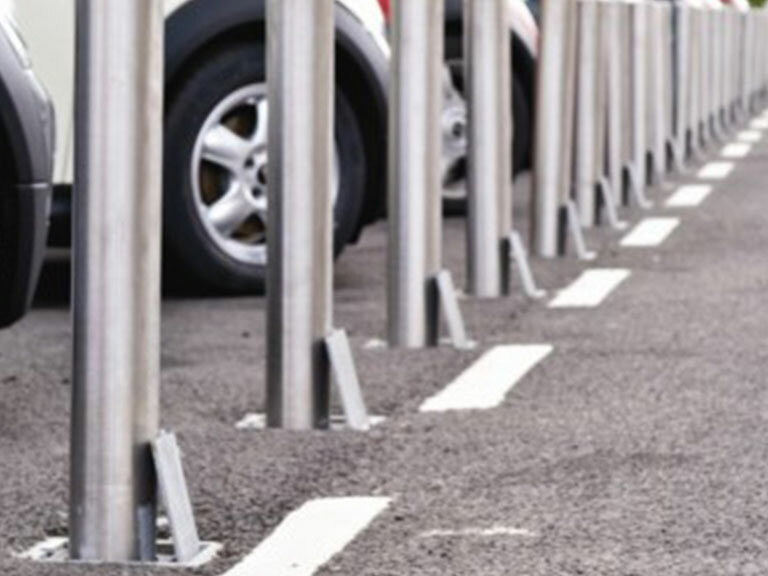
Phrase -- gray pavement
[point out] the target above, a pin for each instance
(637, 448)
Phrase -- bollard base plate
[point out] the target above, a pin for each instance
(55, 550)
(258, 421)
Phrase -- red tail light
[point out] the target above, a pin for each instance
(385, 7)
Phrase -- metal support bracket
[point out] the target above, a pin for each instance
(346, 379)
(449, 304)
(175, 497)
(577, 234)
(519, 257)
(609, 202)
(676, 153)
(635, 189)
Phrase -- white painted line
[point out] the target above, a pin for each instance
(650, 232)
(749, 136)
(590, 289)
(689, 196)
(716, 170)
(486, 383)
(310, 536)
(494, 531)
(759, 124)
(736, 150)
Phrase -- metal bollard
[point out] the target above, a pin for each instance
(414, 172)
(549, 172)
(615, 134)
(639, 98)
(488, 90)
(587, 111)
(300, 59)
(705, 75)
(681, 73)
(657, 81)
(116, 291)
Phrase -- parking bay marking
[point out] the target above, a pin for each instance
(590, 289)
(310, 536)
(749, 136)
(689, 196)
(650, 232)
(736, 150)
(485, 384)
(715, 170)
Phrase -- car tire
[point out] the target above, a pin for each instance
(189, 247)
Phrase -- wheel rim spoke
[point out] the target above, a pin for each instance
(262, 123)
(230, 211)
(261, 209)
(225, 148)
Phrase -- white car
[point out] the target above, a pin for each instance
(215, 201)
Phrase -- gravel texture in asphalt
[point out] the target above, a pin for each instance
(636, 448)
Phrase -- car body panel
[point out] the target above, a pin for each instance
(26, 147)
(51, 43)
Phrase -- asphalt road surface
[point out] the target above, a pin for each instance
(637, 447)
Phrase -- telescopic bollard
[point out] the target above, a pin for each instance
(417, 286)
(489, 99)
(300, 61)
(116, 292)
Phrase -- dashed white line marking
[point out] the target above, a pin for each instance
(716, 170)
(751, 136)
(650, 232)
(590, 289)
(494, 531)
(736, 150)
(689, 196)
(310, 536)
(759, 124)
(485, 384)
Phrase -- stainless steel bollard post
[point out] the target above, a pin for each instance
(548, 171)
(300, 60)
(116, 291)
(586, 111)
(414, 172)
(744, 37)
(639, 75)
(658, 81)
(615, 135)
(682, 70)
(488, 90)
(705, 76)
